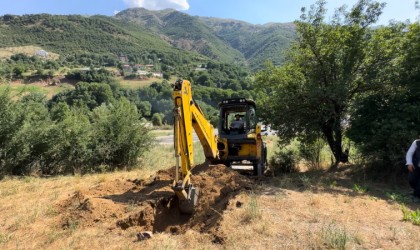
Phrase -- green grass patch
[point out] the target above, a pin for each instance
(360, 189)
(160, 132)
(252, 210)
(397, 197)
(163, 156)
(158, 157)
(21, 89)
(410, 215)
(199, 157)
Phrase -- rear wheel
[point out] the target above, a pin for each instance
(260, 165)
(257, 167)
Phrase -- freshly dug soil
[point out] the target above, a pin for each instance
(150, 205)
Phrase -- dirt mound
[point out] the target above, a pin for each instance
(150, 205)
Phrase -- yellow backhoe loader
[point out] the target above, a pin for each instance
(238, 141)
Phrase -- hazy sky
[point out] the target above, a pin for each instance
(252, 11)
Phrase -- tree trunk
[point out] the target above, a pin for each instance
(334, 138)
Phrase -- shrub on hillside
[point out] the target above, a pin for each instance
(284, 161)
(120, 136)
(68, 139)
(157, 119)
(311, 152)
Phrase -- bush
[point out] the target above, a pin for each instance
(121, 138)
(74, 142)
(157, 119)
(311, 152)
(26, 135)
(284, 161)
(68, 139)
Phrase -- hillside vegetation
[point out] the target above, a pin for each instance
(322, 93)
(75, 35)
(258, 43)
(96, 34)
(184, 32)
(139, 34)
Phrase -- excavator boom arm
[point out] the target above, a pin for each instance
(188, 116)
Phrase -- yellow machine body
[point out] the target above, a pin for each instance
(220, 148)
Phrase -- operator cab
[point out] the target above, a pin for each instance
(237, 118)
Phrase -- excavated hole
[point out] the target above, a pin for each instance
(151, 205)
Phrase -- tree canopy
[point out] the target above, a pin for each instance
(328, 66)
(386, 120)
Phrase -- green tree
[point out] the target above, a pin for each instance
(18, 70)
(25, 146)
(121, 138)
(90, 95)
(73, 141)
(144, 108)
(386, 120)
(326, 69)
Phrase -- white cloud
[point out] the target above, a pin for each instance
(159, 4)
(116, 12)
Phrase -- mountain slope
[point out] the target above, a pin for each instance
(183, 31)
(258, 43)
(140, 33)
(78, 34)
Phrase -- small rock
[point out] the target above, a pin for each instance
(144, 235)
(174, 230)
(238, 204)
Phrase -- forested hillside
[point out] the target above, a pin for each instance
(184, 32)
(141, 34)
(258, 43)
(79, 34)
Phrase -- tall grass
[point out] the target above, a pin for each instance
(252, 210)
(335, 237)
(158, 157)
(163, 156)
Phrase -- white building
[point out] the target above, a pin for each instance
(41, 53)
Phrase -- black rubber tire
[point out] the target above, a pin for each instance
(255, 168)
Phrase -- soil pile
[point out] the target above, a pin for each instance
(150, 205)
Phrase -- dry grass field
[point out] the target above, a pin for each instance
(27, 50)
(141, 83)
(19, 88)
(137, 83)
(306, 210)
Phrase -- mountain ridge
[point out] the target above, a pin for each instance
(136, 30)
